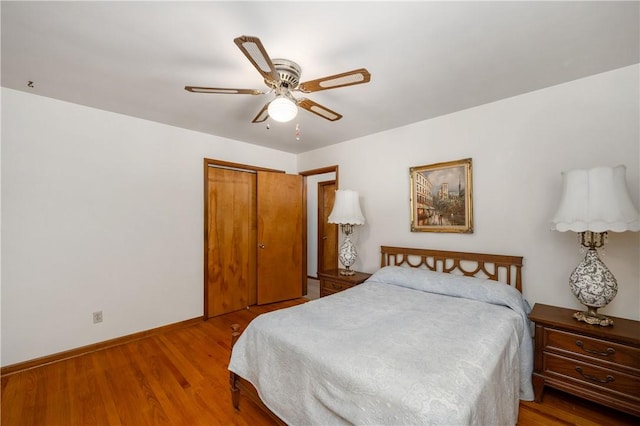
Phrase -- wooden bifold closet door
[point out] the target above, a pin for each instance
(280, 237)
(253, 238)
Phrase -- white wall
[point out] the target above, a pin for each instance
(101, 211)
(519, 147)
(104, 212)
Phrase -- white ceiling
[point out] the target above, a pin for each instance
(426, 59)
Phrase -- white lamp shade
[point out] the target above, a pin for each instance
(596, 200)
(346, 208)
(282, 109)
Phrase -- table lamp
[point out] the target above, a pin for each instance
(346, 213)
(594, 202)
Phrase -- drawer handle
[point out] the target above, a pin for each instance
(610, 351)
(607, 379)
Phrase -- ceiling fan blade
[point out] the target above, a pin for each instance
(254, 50)
(349, 78)
(318, 109)
(219, 90)
(262, 115)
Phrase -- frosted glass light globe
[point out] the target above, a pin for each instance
(282, 109)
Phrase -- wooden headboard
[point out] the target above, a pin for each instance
(506, 269)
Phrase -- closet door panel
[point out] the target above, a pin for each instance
(231, 251)
(280, 237)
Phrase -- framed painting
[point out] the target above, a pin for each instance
(441, 197)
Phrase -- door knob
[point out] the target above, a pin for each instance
(261, 246)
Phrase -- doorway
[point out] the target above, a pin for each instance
(313, 239)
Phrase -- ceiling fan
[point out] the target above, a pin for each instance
(282, 76)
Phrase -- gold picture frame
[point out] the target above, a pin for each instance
(441, 197)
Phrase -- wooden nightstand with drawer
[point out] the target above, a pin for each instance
(598, 363)
(332, 282)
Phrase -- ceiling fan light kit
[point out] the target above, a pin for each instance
(282, 76)
(282, 109)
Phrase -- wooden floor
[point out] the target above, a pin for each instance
(180, 377)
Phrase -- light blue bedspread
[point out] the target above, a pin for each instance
(408, 346)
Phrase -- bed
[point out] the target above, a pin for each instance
(432, 337)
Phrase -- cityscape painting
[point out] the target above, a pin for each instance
(441, 197)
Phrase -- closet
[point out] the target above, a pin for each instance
(253, 236)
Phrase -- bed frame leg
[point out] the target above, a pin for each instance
(235, 391)
(233, 378)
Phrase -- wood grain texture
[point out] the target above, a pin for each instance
(504, 268)
(180, 377)
(327, 232)
(594, 362)
(624, 330)
(231, 241)
(332, 282)
(280, 225)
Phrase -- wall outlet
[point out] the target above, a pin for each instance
(97, 317)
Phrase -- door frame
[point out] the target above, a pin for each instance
(305, 174)
(208, 162)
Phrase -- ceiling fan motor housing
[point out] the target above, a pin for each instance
(289, 73)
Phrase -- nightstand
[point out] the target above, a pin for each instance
(332, 282)
(598, 363)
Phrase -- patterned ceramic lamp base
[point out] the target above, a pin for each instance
(347, 255)
(594, 286)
